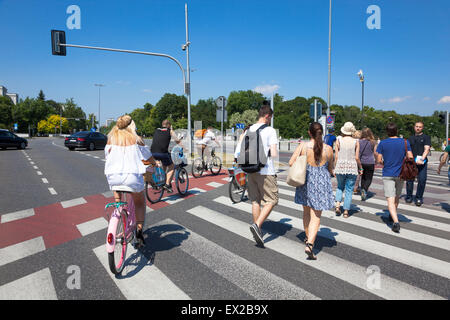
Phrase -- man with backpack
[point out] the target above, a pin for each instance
(257, 150)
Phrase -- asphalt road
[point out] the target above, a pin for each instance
(201, 247)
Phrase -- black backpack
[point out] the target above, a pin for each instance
(252, 156)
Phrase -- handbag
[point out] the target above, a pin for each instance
(297, 172)
(409, 169)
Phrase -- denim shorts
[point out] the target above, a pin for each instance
(393, 186)
(165, 158)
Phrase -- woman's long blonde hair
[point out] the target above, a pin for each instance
(124, 133)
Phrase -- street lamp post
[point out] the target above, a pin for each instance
(188, 80)
(329, 67)
(361, 79)
(99, 86)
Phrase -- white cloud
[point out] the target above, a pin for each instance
(445, 99)
(426, 98)
(267, 89)
(146, 90)
(395, 99)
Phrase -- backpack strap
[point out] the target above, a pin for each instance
(257, 132)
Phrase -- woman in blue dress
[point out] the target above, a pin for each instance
(316, 194)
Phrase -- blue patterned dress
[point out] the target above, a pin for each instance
(317, 192)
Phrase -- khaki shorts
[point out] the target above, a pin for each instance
(262, 189)
(393, 186)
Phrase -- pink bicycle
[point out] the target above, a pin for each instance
(121, 229)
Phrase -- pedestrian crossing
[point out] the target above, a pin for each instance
(202, 248)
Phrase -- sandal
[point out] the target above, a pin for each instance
(310, 253)
(338, 210)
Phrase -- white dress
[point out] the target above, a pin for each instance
(124, 167)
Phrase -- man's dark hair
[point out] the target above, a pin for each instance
(266, 103)
(391, 129)
(264, 111)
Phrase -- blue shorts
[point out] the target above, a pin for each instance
(165, 158)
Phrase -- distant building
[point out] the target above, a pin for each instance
(109, 121)
(13, 96)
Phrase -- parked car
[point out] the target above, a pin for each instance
(11, 140)
(86, 139)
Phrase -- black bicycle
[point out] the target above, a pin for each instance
(214, 164)
(154, 183)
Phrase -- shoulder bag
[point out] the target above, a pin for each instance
(297, 172)
(409, 169)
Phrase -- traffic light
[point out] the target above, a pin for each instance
(58, 38)
(441, 118)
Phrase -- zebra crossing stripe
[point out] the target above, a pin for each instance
(379, 227)
(239, 271)
(92, 226)
(17, 215)
(35, 286)
(334, 266)
(21, 250)
(413, 259)
(413, 220)
(383, 202)
(73, 202)
(147, 284)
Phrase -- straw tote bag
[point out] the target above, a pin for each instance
(297, 172)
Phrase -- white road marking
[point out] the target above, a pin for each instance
(214, 184)
(52, 191)
(73, 202)
(334, 266)
(35, 167)
(147, 284)
(39, 173)
(92, 226)
(239, 271)
(44, 180)
(35, 286)
(17, 215)
(413, 259)
(21, 250)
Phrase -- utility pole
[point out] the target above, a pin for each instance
(99, 86)
(329, 67)
(188, 81)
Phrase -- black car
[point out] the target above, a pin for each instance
(11, 140)
(86, 139)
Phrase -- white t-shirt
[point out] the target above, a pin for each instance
(207, 138)
(268, 137)
(126, 159)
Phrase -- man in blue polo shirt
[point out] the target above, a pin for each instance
(330, 138)
(391, 152)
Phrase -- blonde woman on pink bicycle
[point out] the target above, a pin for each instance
(126, 156)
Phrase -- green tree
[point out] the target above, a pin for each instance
(6, 118)
(73, 111)
(239, 101)
(205, 111)
(170, 106)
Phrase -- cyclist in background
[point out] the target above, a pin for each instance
(206, 142)
(160, 150)
(126, 155)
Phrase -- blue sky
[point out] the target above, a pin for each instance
(236, 45)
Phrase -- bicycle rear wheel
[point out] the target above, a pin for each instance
(216, 166)
(235, 191)
(197, 168)
(182, 181)
(116, 258)
(153, 192)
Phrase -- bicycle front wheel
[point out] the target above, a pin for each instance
(116, 258)
(216, 166)
(153, 192)
(182, 181)
(197, 168)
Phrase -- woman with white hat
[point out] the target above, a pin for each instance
(347, 167)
